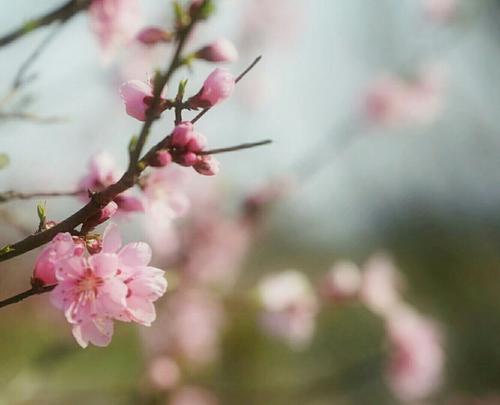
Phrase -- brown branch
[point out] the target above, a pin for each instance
(236, 147)
(60, 14)
(241, 76)
(26, 294)
(17, 195)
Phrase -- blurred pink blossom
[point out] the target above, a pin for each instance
(153, 35)
(440, 10)
(220, 50)
(289, 307)
(102, 173)
(61, 247)
(164, 373)
(391, 100)
(164, 201)
(380, 285)
(191, 395)
(416, 362)
(189, 327)
(215, 248)
(115, 23)
(342, 282)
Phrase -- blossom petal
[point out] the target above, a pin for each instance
(71, 268)
(111, 239)
(135, 254)
(98, 331)
(142, 311)
(104, 264)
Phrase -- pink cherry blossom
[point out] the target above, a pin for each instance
(289, 307)
(134, 94)
(342, 282)
(191, 395)
(61, 247)
(380, 285)
(144, 284)
(90, 295)
(221, 50)
(218, 86)
(115, 283)
(415, 368)
(115, 23)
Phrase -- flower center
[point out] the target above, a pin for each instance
(89, 282)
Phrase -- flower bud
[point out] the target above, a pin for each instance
(221, 50)
(207, 165)
(197, 143)
(187, 159)
(160, 158)
(182, 134)
(218, 86)
(153, 35)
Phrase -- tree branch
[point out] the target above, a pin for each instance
(17, 195)
(236, 147)
(25, 294)
(60, 14)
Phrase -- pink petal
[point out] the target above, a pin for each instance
(97, 331)
(104, 264)
(149, 283)
(135, 254)
(112, 297)
(71, 268)
(143, 311)
(111, 239)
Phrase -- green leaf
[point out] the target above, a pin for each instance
(41, 211)
(206, 10)
(133, 143)
(6, 249)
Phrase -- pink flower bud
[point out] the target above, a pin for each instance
(94, 245)
(161, 158)
(197, 143)
(221, 50)
(182, 134)
(62, 246)
(129, 203)
(153, 35)
(207, 165)
(134, 94)
(188, 159)
(108, 211)
(218, 86)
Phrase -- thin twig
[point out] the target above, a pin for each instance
(26, 294)
(26, 116)
(60, 14)
(236, 147)
(19, 78)
(17, 195)
(241, 76)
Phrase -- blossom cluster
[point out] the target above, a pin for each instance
(112, 283)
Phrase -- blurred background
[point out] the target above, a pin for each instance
(384, 126)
